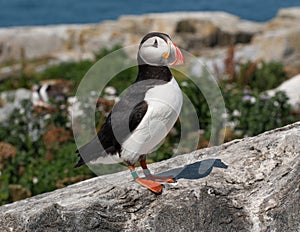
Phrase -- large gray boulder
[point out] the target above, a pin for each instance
(245, 185)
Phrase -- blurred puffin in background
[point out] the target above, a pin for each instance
(50, 91)
(143, 116)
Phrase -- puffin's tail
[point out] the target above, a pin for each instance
(80, 161)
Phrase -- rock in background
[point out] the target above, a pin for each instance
(245, 185)
(76, 41)
(193, 31)
(280, 40)
(276, 40)
(204, 34)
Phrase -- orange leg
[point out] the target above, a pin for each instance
(149, 176)
(153, 186)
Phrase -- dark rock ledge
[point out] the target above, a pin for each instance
(245, 185)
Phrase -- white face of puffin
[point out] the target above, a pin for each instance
(158, 52)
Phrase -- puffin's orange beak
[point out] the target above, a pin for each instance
(179, 59)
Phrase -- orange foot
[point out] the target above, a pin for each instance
(150, 184)
(166, 179)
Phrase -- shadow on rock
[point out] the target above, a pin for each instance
(195, 170)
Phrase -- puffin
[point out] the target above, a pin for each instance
(47, 90)
(143, 116)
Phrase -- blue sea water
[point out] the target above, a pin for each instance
(45, 12)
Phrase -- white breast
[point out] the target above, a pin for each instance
(164, 105)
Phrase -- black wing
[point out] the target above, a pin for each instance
(131, 108)
(106, 137)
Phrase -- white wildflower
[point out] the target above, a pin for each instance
(236, 113)
(22, 110)
(47, 116)
(110, 90)
(93, 93)
(260, 65)
(201, 131)
(252, 100)
(184, 84)
(35, 180)
(225, 115)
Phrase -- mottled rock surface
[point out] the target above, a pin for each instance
(279, 41)
(245, 185)
(26, 43)
(80, 41)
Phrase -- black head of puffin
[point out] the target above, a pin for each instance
(157, 49)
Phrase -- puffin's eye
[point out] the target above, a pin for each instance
(155, 43)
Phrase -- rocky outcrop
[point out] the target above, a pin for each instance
(27, 43)
(79, 41)
(195, 32)
(279, 41)
(245, 185)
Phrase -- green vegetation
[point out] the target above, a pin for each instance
(37, 149)
(261, 76)
(254, 113)
(42, 157)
